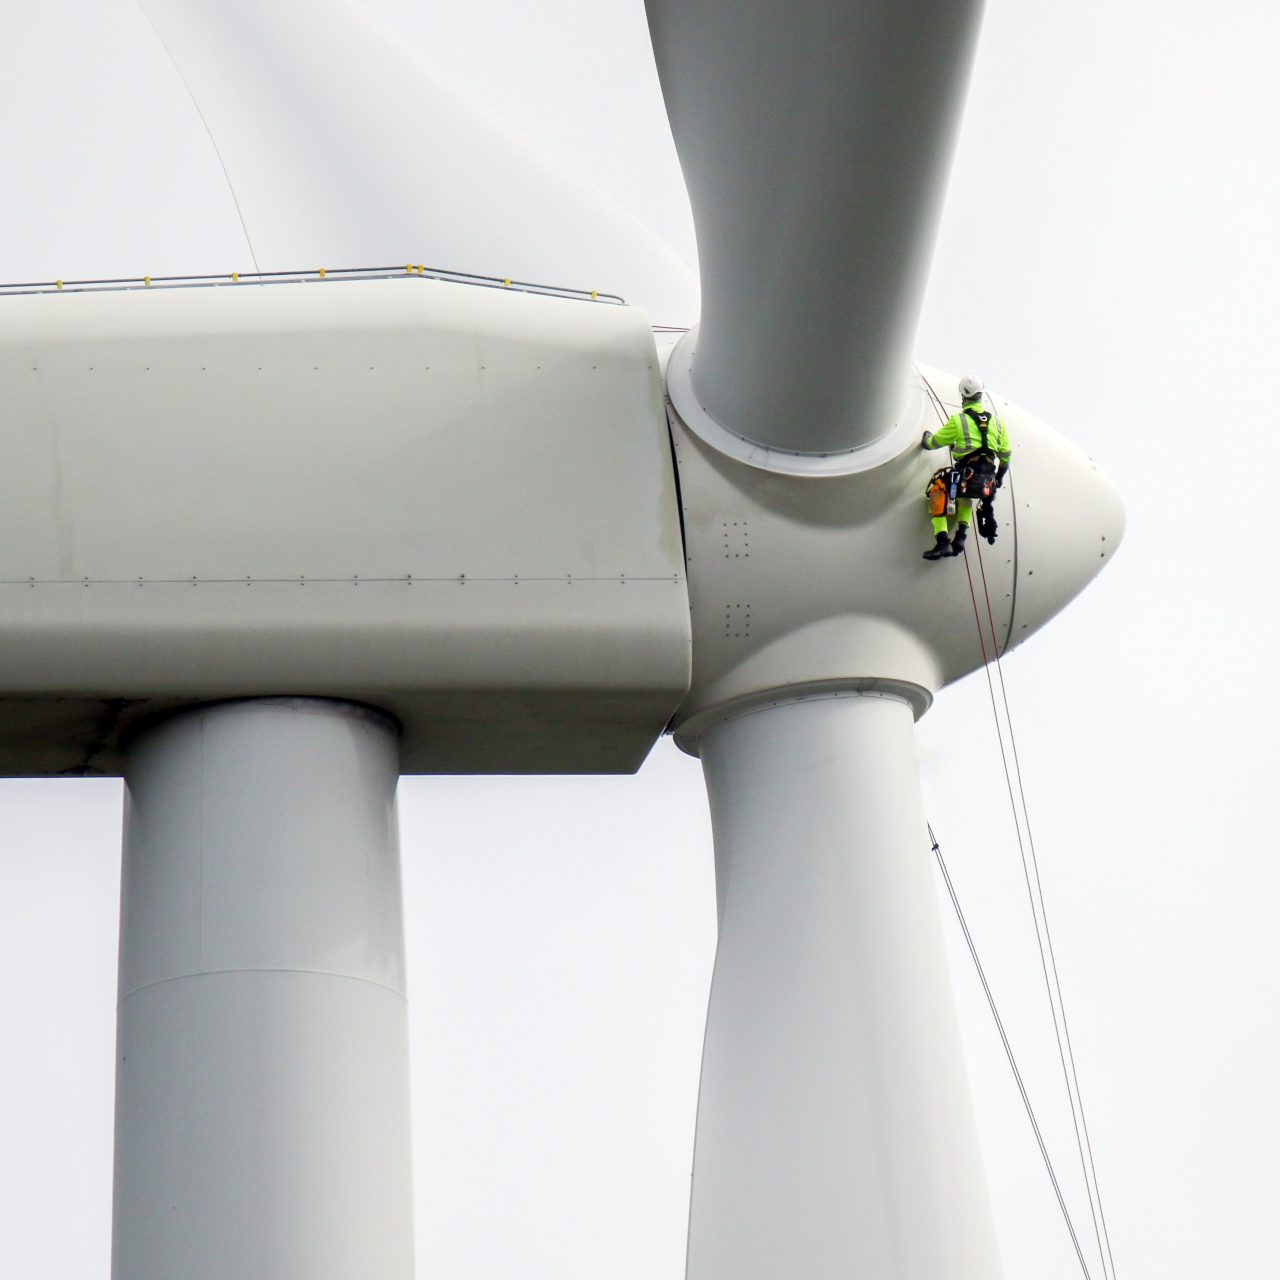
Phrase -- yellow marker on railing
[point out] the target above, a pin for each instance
(235, 276)
(58, 283)
(321, 273)
(593, 295)
(422, 271)
(409, 268)
(506, 284)
(147, 281)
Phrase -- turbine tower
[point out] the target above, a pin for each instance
(280, 539)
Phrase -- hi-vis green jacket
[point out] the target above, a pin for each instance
(961, 431)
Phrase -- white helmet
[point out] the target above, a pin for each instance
(971, 388)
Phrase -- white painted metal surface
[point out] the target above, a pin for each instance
(344, 147)
(454, 503)
(835, 1135)
(815, 138)
(459, 507)
(262, 1123)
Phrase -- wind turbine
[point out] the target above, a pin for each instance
(367, 506)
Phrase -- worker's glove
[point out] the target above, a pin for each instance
(924, 440)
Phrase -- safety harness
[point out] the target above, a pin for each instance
(973, 476)
(980, 419)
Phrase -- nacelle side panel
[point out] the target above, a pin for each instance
(454, 503)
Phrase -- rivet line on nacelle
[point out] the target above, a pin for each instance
(302, 579)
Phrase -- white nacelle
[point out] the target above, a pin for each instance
(458, 505)
(454, 503)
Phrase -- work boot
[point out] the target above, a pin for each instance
(957, 545)
(942, 547)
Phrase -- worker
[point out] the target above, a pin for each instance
(980, 458)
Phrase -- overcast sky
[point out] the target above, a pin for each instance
(1108, 260)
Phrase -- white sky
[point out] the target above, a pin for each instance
(1108, 260)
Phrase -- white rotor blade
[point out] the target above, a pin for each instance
(815, 138)
(344, 147)
(835, 1131)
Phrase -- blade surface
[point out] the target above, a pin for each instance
(815, 138)
(344, 147)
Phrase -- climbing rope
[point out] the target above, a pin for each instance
(1040, 920)
(1070, 1074)
(1008, 1048)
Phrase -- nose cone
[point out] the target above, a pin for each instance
(1068, 519)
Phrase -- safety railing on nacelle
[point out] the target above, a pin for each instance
(240, 279)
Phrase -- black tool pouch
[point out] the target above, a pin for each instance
(978, 478)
